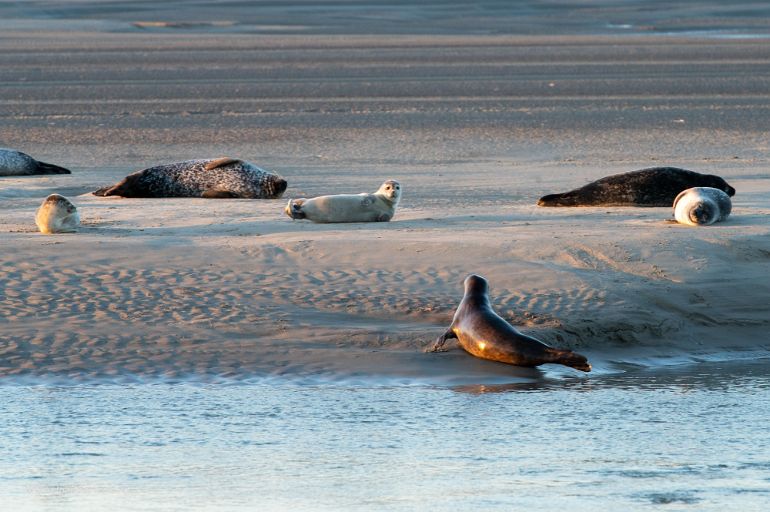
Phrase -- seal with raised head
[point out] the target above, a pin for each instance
(657, 186)
(701, 206)
(16, 163)
(212, 178)
(483, 333)
(57, 215)
(364, 207)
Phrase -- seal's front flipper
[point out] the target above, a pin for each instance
(214, 193)
(221, 162)
(438, 346)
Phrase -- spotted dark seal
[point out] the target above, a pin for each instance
(657, 186)
(16, 163)
(483, 333)
(218, 178)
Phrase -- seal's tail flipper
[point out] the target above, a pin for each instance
(571, 359)
(563, 199)
(111, 190)
(102, 191)
(44, 168)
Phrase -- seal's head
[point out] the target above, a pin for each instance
(475, 285)
(719, 183)
(294, 208)
(60, 202)
(391, 190)
(276, 187)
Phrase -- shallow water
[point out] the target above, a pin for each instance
(683, 438)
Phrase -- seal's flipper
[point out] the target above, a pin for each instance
(571, 359)
(215, 193)
(112, 190)
(44, 168)
(563, 199)
(438, 346)
(221, 162)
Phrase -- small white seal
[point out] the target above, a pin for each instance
(377, 207)
(57, 215)
(701, 206)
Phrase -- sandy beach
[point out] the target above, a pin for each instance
(475, 125)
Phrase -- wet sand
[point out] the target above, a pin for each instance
(475, 124)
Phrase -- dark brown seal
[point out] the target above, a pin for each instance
(657, 186)
(483, 333)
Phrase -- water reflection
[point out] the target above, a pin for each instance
(683, 378)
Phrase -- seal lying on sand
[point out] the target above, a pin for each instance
(57, 215)
(377, 207)
(484, 334)
(657, 186)
(219, 178)
(701, 206)
(16, 163)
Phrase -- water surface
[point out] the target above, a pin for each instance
(685, 438)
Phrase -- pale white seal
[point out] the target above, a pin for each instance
(57, 215)
(701, 206)
(377, 207)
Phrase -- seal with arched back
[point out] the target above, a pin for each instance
(16, 163)
(657, 186)
(483, 333)
(364, 207)
(213, 178)
(701, 206)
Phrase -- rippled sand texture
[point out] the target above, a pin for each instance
(476, 125)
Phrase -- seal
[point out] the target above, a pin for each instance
(483, 333)
(702, 206)
(212, 178)
(57, 215)
(656, 186)
(364, 207)
(16, 163)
